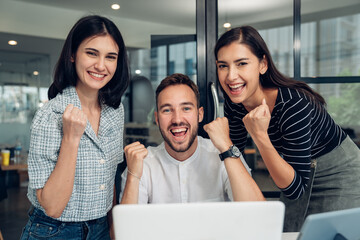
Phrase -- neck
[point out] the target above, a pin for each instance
(270, 95)
(182, 156)
(89, 99)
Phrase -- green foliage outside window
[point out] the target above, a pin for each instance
(345, 109)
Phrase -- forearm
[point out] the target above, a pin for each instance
(281, 172)
(55, 195)
(243, 186)
(131, 190)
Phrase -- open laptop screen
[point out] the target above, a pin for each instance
(336, 225)
(200, 221)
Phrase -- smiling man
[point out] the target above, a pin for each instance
(186, 167)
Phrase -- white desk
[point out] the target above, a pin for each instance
(290, 236)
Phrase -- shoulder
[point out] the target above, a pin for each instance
(51, 112)
(116, 114)
(292, 101)
(47, 114)
(206, 145)
(154, 154)
(289, 96)
(295, 109)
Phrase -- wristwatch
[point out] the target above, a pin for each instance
(232, 152)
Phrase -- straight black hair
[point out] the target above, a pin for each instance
(273, 78)
(65, 70)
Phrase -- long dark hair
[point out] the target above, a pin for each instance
(273, 77)
(65, 71)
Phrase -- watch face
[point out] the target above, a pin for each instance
(235, 151)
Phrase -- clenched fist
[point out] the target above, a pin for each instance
(135, 154)
(257, 121)
(74, 122)
(218, 131)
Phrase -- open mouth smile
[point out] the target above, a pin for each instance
(97, 75)
(179, 133)
(236, 88)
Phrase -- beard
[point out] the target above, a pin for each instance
(193, 135)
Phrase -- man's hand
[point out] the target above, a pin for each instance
(135, 154)
(218, 131)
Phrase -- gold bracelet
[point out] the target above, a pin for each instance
(133, 174)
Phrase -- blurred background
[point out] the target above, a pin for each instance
(314, 41)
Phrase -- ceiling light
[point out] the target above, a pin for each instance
(115, 6)
(36, 73)
(227, 25)
(137, 71)
(12, 42)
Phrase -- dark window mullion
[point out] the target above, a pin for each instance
(297, 39)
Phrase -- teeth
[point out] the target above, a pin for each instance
(97, 75)
(237, 85)
(178, 130)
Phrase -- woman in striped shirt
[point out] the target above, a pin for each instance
(310, 158)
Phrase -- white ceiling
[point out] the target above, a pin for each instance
(40, 26)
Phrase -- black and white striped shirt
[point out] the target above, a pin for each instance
(298, 130)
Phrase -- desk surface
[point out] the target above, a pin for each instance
(14, 167)
(290, 236)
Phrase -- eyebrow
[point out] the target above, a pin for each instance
(237, 60)
(181, 104)
(95, 50)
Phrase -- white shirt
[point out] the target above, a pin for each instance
(200, 178)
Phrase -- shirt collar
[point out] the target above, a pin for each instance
(187, 161)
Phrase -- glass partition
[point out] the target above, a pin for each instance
(273, 20)
(330, 39)
(343, 105)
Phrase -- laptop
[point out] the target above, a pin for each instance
(200, 221)
(336, 225)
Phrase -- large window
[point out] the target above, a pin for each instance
(330, 57)
(330, 46)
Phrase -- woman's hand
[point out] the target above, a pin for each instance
(74, 123)
(218, 131)
(257, 121)
(135, 154)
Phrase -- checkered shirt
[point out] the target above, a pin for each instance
(97, 159)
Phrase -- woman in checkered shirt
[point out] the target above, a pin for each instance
(76, 137)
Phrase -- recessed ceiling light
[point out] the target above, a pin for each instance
(12, 42)
(137, 71)
(115, 6)
(227, 25)
(36, 73)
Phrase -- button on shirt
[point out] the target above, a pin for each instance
(200, 178)
(97, 160)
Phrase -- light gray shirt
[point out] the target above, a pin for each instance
(200, 178)
(97, 160)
